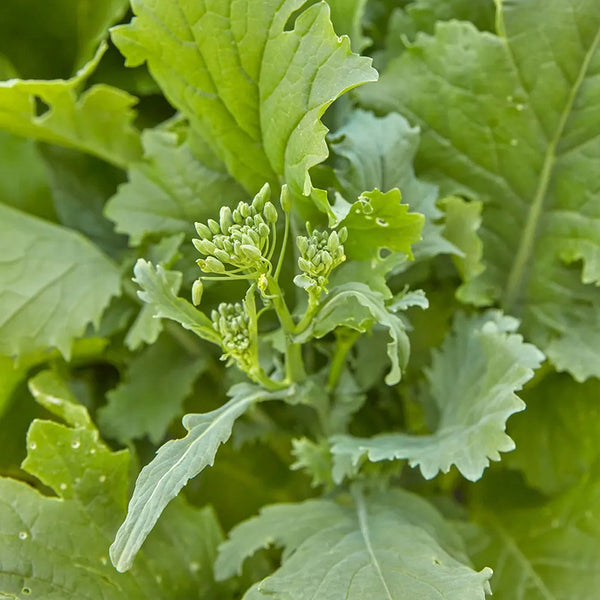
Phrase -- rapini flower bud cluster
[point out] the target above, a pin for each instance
(232, 323)
(320, 253)
(243, 238)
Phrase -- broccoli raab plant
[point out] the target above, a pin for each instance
(343, 243)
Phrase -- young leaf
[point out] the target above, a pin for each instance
(55, 547)
(159, 287)
(174, 465)
(379, 220)
(356, 306)
(391, 546)
(251, 88)
(98, 122)
(151, 393)
(169, 190)
(55, 283)
(473, 379)
(378, 152)
(521, 139)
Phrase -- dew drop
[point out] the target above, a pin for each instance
(509, 99)
(519, 107)
(514, 142)
(104, 560)
(75, 444)
(381, 222)
(32, 446)
(194, 567)
(93, 451)
(63, 486)
(158, 579)
(23, 535)
(102, 478)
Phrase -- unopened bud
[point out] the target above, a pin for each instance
(270, 213)
(203, 231)
(225, 218)
(221, 255)
(213, 265)
(250, 251)
(263, 196)
(343, 235)
(213, 226)
(197, 289)
(302, 243)
(285, 199)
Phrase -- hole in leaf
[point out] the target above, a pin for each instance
(41, 108)
(26, 591)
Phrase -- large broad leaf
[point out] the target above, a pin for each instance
(53, 39)
(56, 547)
(540, 549)
(391, 546)
(557, 436)
(54, 283)
(378, 153)
(169, 190)
(472, 380)
(511, 120)
(174, 465)
(252, 88)
(356, 306)
(151, 393)
(99, 121)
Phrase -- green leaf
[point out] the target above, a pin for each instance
(99, 121)
(379, 220)
(251, 88)
(23, 179)
(541, 549)
(55, 547)
(472, 380)
(46, 40)
(391, 546)
(159, 288)
(346, 16)
(151, 393)
(54, 283)
(373, 152)
(174, 465)
(557, 436)
(169, 190)
(356, 306)
(522, 139)
(461, 227)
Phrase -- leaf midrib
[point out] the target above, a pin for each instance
(527, 242)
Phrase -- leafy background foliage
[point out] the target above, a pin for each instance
(456, 163)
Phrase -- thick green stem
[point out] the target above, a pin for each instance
(345, 341)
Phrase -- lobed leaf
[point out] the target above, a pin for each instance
(507, 119)
(253, 89)
(472, 380)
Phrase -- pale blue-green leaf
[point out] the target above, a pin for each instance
(54, 283)
(378, 152)
(391, 546)
(159, 289)
(510, 120)
(151, 393)
(174, 465)
(472, 381)
(254, 90)
(169, 190)
(356, 306)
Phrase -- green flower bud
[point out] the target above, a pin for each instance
(250, 252)
(302, 243)
(203, 231)
(270, 213)
(333, 242)
(225, 218)
(197, 289)
(244, 210)
(222, 255)
(213, 226)
(263, 231)
(343, 235)
(212, 265)
(237, 217)
(285, 199)
(263, 196)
